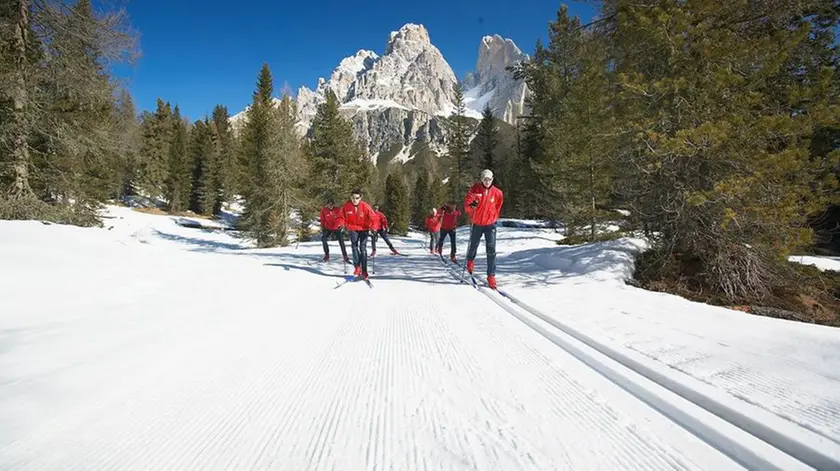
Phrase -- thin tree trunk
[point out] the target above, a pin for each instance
(591, 197)
(20, 146)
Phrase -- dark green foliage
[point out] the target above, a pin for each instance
(224, 143)
(485, 142)
(421, 200)
(260, 151)
(206, 193)
(179, 178)
(397, 206)
(60, 129)
(711, 121)
(127, 173)
(460, 129)
(336, 161)
(728, 178)
(275, 169)
(436, 194)
(154, 153)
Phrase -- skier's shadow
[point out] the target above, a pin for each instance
(435, 280)
(306, 269)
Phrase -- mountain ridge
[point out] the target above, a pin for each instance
(400, 96)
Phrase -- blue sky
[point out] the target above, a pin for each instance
(198, 54)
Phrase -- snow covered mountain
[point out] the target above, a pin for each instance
(399, 97)
(492, 84)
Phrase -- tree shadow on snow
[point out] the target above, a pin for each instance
(550, 265)
(202, 245)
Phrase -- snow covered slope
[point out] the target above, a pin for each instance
(150, 345)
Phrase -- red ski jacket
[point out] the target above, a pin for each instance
(359, 217)
(489, 204)
(450, 219)
(379, 221)
(433, 223)
(331, 219)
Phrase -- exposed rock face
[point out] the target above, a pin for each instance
(379, 129)
(412, 73)
(401, 96)
(492, 84)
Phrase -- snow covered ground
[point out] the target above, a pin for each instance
(822, 262)
(150, 345)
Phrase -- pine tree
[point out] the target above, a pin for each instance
(224, 142)
(420, 198)
(179, 177)
(154, 153)
(485, 142)
(288, 168)
(397, 205)
(436, 194)
(266, 215)
(127, 177)
(460, 131)
(546, 140)
(204, 162)
(77, 144)
(336, 160)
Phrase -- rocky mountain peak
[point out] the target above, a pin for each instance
(400, 96)
(491, 84)
(495, 54)
(412, 73)
(409, 33)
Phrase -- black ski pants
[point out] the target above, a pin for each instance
(380, 233)
(443, 235)
(358, 241)
(325, 236)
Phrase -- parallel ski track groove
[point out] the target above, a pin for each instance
(565, 391)
(784, 444)
(529, 311)
(747, 379)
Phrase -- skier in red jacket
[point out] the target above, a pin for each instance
(449, 221)
(483, 204)
(379, 228)
(332, 224)
(432, 224)
(358, 216)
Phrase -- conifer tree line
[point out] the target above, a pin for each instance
(73, 140)
(716, 124)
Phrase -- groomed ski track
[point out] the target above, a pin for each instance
(419, 373)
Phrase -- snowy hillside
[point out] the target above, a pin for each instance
(150, 345)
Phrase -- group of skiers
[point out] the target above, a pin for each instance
(482, 204)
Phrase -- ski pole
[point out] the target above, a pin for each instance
(469, 249)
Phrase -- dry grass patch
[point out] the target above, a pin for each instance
(160, 212)
(800, 293)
